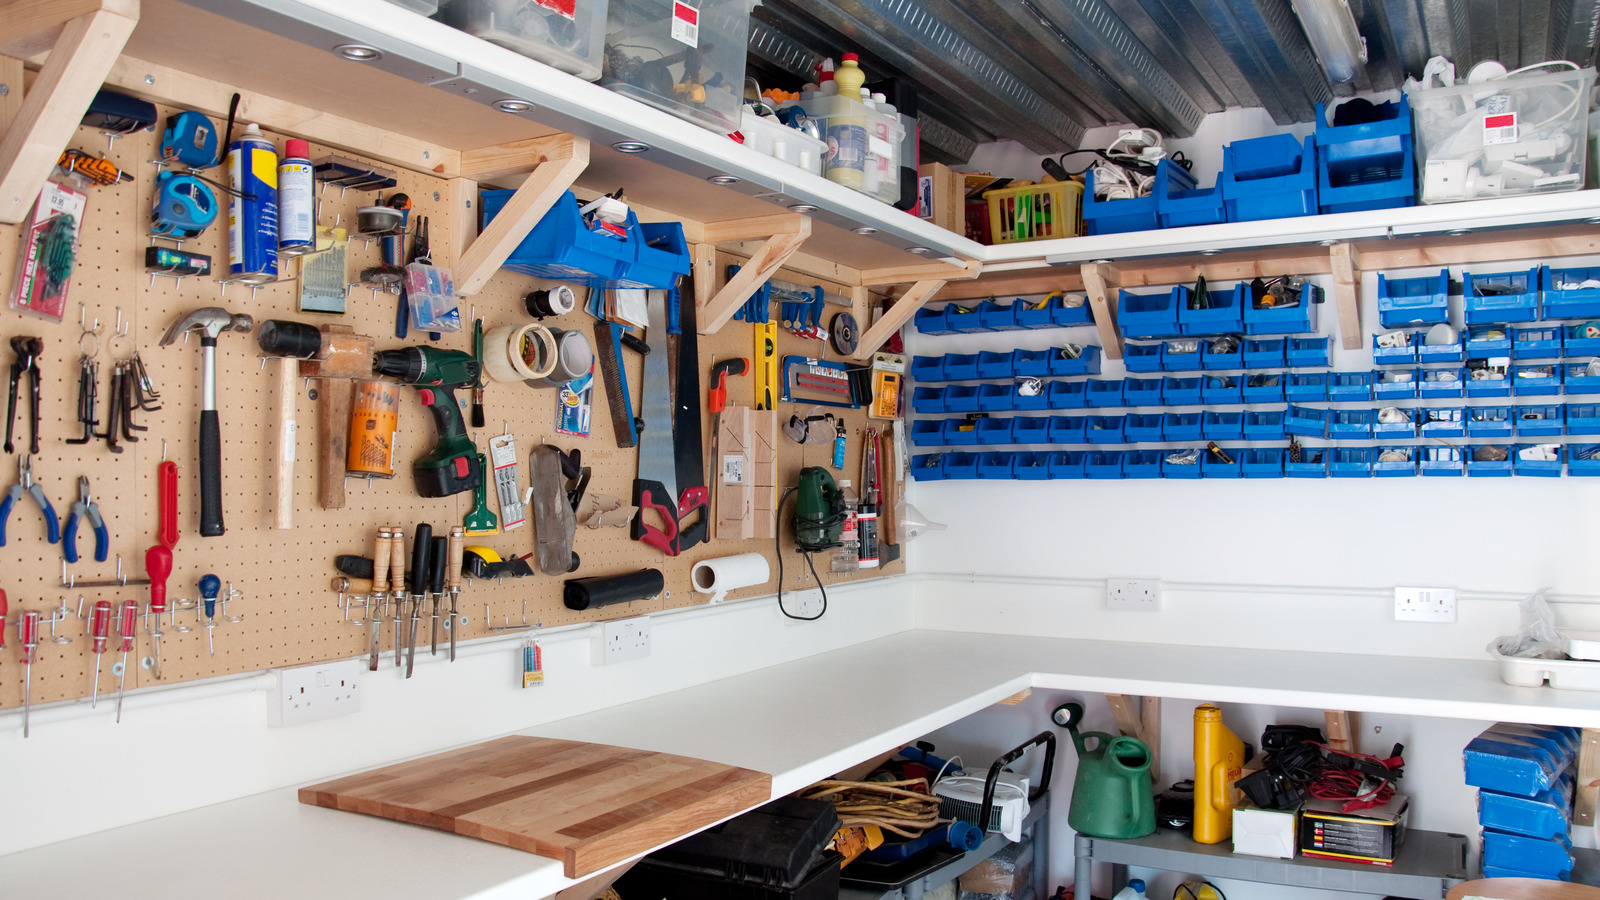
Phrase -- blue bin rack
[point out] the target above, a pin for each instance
(1534, 380)
(1087, 362)
(996, 316)
(1488, 387)
(1582, 339)
(994, 364)
(1264, 354)
(1118, 216)
(1102, 464)
(1299, 319)
(1050, 312)
(994, 466)
(1306, 421)
(960, 432)
(1263, 387)
(1394, 468)
(1027, 403)
(1395, 384)
(1442, 383)
(994, 431)
(1141, 464)
(1583, 459)
(1536, 342)
(1546, 468)
(1489, 422)
(927, 433)
(1350, 462)
(1262, 462)
(1272, 177)
(1210, 358)
(1141, 391)
(1065, 429)
(961, 398)
(1578, 380)
(1105, 430)
(1308, 353)
(1441, 353)
(1483, 309)
(1104, 392)
(1030, 430)
(932, 320)
(1224, 315)
(1150, 315)
(1350, 424)
(1412, 302)
(1029, 363)
(927, 369)
(1583, 418)
(1222, 426)
(1141, 357)
(1177, 427)
(1143, 428)
(1572, 303)
(1486, 468)
(1444, 422)
(1064, 395)
(1218, 390)
(1183, 362)
(661, 254)
(1212, 466)
(958, 367)
(1540, 421)
(1395, 430)
(960, 466)
(1346, 386)
(1366, 166)
(996, 397)
(1303, 386)
(1488, 341)
(963, 319)
(1180, 391)
(1030, 466)
(1396, 356)
(1264, 425)
(1313, 464)
(1180, 203)
(1175, 471)
(928, 467)
(927, 400)
(1439, 462)
(1065, 465)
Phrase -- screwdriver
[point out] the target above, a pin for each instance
(380, 585)
(437, 561)
(158, 565)
(127, 621)
(28, 636)
(210, 587)
(397, 583)
(452, 579)
(99, 630)
(421, 552)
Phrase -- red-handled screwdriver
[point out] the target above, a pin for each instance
(99, 631)
(158, 565)
(28, 637)
(167, 504)
(4, 608)
(127, 622)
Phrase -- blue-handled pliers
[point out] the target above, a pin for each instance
(86, 508)
(25, 485)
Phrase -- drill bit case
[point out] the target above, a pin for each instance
(565, 34)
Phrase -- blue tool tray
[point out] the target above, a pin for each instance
(1488, 341)
(1065, 465)
(1488, 387)
(1211, 359)
(1141, 391)
(1440, 462)
(928, 400)
(996, 316)
(1582, 418)
(1172, 361)
(961, 432)
(1550, 859)
(994, 465)
(1350, 462)
(1305, 353)
(1118, 216)
(1224, 315)
(1513, 763)
(1180, 471)
(1222, 426)
(1065, 395)
(1264, 354)
(1105, 430)
(1346, 386)
(1348, 424)
(1030, 430)
(1440, 353)
(1538, 342)
(1395, 390)
(1582, 339)
(1027, 403)
(961, 398)
(927, 433)
(1522, 306)
(1180, 203)
(1396, 356)
(1143, 428)
(932, 320)
(1301, 319)
(1027, 363)
(1444, 422)
(1583, 459)
(1181, 426)
(1262, 462)
(661, 255)
(1575, 303)
(995, 398)
(1313, 464)
(1410, 302)
(1398, 468)
(561, 248)
(1536, 379)
(1366, 166)
(1030, 466)
(994, 364)
(1489, 422)
(1307, 421)
(1212, 466)
(1577, 378)
(958, 367)
(1066, 429)
(1102, 464)
(964, 319)
(1306, 386)
(928, 467)
(1442, 383)
(1141, 357)
(1104, 392)
(1263, 387)
(1395, 430)
(1265, 425)
(1148, 315)
(960, 465)
(1180, 391)
(1546, 468)
(927, 369)
(1272, 177)
(1486, 468)
(1141, 464)
(1541, 421)
(1544, 815)
(1087, 362)
(1217, 390)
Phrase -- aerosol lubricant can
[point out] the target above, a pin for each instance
(253, 210)
(297, 208)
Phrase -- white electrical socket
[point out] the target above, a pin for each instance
(805, 603)
(1142, 594)
(621, 639)
(1416, 604)
(312, 693)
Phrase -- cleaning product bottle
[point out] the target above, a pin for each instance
(1219, 756)
(849, 76)
(888, 131)
(1134, 891)
(844, 124)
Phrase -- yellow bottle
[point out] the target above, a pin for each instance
(850, 77)
(1218, 761)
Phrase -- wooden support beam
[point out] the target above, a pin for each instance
(1150, 733)
(1014, 284)
(1339, 730)
(31, 27)
(754, 227)
(1583, 806)
(1347, 294)
(1125, 712)
(924, 272)
(705, 273)
(1100, 282)
(81, 55)
(905, 306)
(1437, 251)
(1018, 697)
(763, 263)
(861, 305)
(11, 78)
(556, 162)
(461, 195)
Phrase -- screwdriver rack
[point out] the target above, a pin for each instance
(277, 608)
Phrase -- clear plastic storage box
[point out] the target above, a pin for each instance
(682, 56)
(770, 137)
(566, 34)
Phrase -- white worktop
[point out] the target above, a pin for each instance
(799, 721)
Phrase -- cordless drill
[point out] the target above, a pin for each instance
(452, 466)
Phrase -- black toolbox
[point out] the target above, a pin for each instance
(775, 852)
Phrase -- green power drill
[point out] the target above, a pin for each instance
(453, 465)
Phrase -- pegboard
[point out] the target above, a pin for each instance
(287, 613)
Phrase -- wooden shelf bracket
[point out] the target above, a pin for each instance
(1100, 282)
(784, 233)
(555, 163)
(926, 283)
(1347, 294)
(84, 39)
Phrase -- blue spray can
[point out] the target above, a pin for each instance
(253, 210)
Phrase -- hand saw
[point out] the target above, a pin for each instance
(688, 451)
(655, 488)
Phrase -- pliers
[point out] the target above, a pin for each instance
(25, 485)
(85, 507)
(28, 350)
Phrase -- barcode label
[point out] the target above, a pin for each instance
(685, 23)
(1500, 128)
(733, 468)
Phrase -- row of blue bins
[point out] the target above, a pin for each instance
(992, 315)
(562, 248)
(1524, 776)
(1230, 310)
(1488, 298)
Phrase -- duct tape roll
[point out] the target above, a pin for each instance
(729, 573)
(506, 352)
(606, 590)
(573, 358)
(558, 301)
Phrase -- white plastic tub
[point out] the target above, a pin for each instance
(768, 136)
(1565, 674)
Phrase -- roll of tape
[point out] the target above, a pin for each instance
(505, 352)
(543, 342)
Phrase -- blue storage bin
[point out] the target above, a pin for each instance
(1028, 403)
(1582, 339)
(932, 320)
(1350, 462)
(1350, 424)
(927, 400)
(1308, 421)
(1366, 166)
(1225, 315)
(1117, 216)
(960, 432)
(1031, 363)
(1064, 316)
(961, 398)
(1180, 391)
(1272, 177)
(1181, 427)
(1264, 425)
(1536, 379)
(1104, 392)
(1141, 464)
(1187, 471)
(1030, 466)
(1298, 319)
(1264, 354)
(1583, 459)
(1344, 386)
(1179, 203)
(1313, 464)
(1087, 362)
(1212, 466)
(1574, 302)
(1395, 384)
(1394, 430)
(1488, 387)
(1065, 465)
(996, 316)
(1439, 462)
(1486, 468)
(1306, 386)
(560, 248)
(994, 364)
(1263, 387)
(1551, 859)
(1148, 315)
(1030, 430)
(927, 433)
(928, 467)
(1543, 815)
(1441, 353)
(1489, 422)
(1142, 428)
(1065, 430)
(1393, 467)
(1102, 464)
(960, 466)
(1105, 430)
(1210, 358)
(1487, 341)
(994, 466)
(661, 255)
(1035, 313)
(1307, 352)
(1540, 421)
(1538, 342)
(1410, 302)
(1578, 380)
(927, 368)
(1396, 356)
(1141, 357)
(1262, 462)
(963, 319)
(1222, 426)
(1441, 383)
(1444, 422)
(1583, 418)
(960, 366)
(1172, 361)
(1545, 468)
(996, 397)
(1217, 390)
(1141, 391)
(1521, 305)
(1064, 395)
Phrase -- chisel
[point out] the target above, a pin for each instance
(421, 552)
(380, 585)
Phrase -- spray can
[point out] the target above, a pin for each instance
(374, 412)
(297, 206)
(253, 210)
(1218, 761)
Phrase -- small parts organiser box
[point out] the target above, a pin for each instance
(1496, 297)
(1519, 759)
(1148, 315)
(1117, 216)
(1569, 293)
(1035, 212)
(1519, 856)
(1220, 311)
(1411, 302)
(565, 34)
(1299, 317)
(1179, 202)
(1366, 166)
(1370, 836)
(563, 247)
(1271, 177)
(685, 57)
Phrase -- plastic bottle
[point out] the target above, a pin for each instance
(849, 76)
(825, 82)
(1218, 761)
(886, 128)
(1134, 891)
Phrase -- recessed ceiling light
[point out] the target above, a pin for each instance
(630, 146)
(1327, 242)
(864, 229)
(724, 180)
(513, 106)
(1209, 252)
(359, 52)
(802, 207)
(1102, 262)
(1458, 232)
(920, 251)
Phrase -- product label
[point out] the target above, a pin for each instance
(847, 147)
(685, 23)
(295, 204)
(565, 8)
(575, 405)
(1500, 128)
(733, 468)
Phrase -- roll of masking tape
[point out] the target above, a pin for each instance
(518, 353)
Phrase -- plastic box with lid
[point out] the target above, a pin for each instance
(425, 7)
(770, 137)
(685, 57)
(566, 34)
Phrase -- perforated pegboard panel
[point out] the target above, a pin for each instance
(289, 613)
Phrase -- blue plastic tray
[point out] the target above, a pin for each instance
(1487, 341)
(1395, 390)
(1141, 357)
(1212, 467)
(1438, 383)
(1348, 424)
(1211, 359)
(1521, 306)
(1030, 430)
(1030, 466)
(1065, 465)
(996, 316)
(1573, 303)
(1180, 471)
(1444, 422)
(1102, 464)
(1344, 386)
(1153, 314)
(1306, 386)
(1272, 177)
(1183, 362)
(1177, 427)
(1142, 428)
(1218, 390)
(1266, 425)
(1307, 421)
(1262, 462)
(1439, 462)
(1536, 342)
(1264, 354)
(1410, 302)
(1034, 363)
(932, 320)
(962, 432)
(1180, 391)
(1065, 395)
(1263, 387)
(1399, 468)
(1087, 362)
(1489, 422)
(1396, 356)
(1141, 391)
(1117, 216)
(928, 467)
(994, 431)
(1546, 468)
(1539, 421)
(927, 433)
(927, 400)
(1350, 462)
(1066, 429)
(1301, 319)
(1308, 352)
(1180, 203)
(994, 466)
(1222, 426)
(1366, 166)
(1533, 380)
(1141, 464)
(1104, 392)
(1225, 315)
(1105, 430)
(960, 466)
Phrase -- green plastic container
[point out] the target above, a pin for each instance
(1111, 795)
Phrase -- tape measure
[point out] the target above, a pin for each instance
(844, 333)
(184, 206)
(190, 139)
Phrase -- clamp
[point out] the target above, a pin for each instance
(26, 485)
(85, 507)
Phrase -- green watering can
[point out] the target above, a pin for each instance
(1111, 796)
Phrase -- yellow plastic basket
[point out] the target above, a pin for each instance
(1035, 212)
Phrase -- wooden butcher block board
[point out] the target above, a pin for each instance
(587, 805)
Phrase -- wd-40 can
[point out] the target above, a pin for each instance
(253, 212)
(297, 210)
